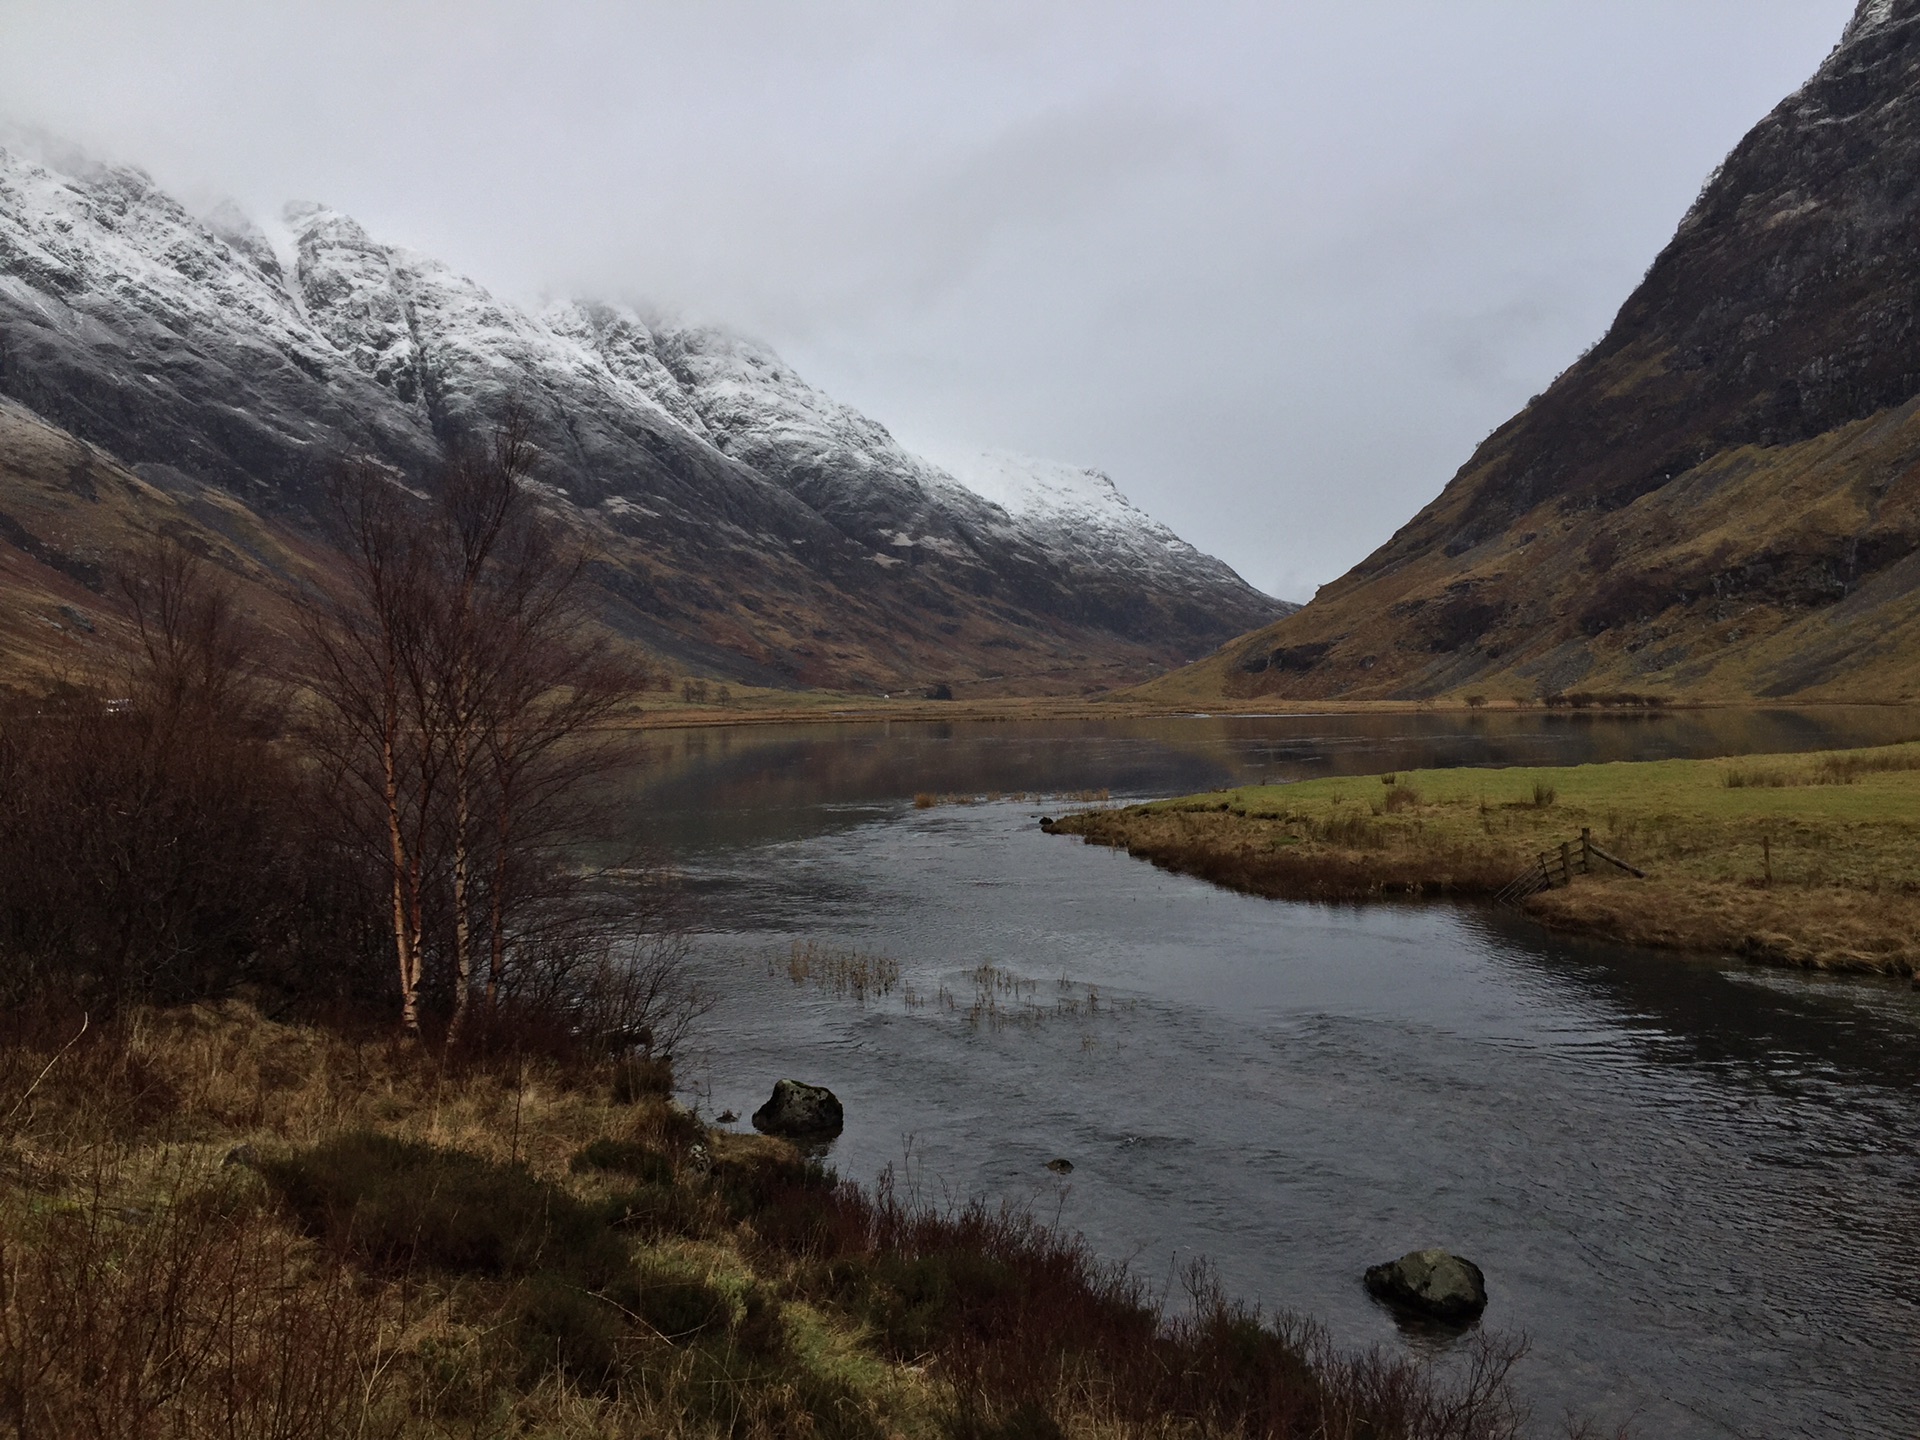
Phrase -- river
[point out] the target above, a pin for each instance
(1691, 1183)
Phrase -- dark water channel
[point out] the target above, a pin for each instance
(1694, 1185)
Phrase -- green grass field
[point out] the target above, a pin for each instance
(1807, 859)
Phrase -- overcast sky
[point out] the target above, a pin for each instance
(1274, 266)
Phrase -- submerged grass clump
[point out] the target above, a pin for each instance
(854, 973)
(1001, 998)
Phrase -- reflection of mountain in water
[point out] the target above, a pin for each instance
(726, 786)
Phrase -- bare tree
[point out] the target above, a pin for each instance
(371, 652)
(196, 650)
(468, 691)
(155, 842)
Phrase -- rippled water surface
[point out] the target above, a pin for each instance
(1694, 1185)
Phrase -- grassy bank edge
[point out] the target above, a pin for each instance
(214, 1222)
(1808, 860)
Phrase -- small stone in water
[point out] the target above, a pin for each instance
(1060, 1167)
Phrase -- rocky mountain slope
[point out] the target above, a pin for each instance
(1723, 496)
(751, 526)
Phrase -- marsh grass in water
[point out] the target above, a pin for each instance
(1001, 998)
(855, 974)
(1004, 999)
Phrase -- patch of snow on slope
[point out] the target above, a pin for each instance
(1050, 495)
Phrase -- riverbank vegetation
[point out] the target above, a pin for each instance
(212, 1223)
(1809, 860)
(382, 820)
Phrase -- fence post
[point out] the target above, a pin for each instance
(1586, 851)
(1566, 861)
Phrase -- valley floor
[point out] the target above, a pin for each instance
(1806, 860)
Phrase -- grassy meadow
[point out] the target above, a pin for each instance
(1810, 860)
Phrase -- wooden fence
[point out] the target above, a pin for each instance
(1555, 869)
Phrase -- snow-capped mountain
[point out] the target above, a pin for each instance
(751, 524)
(1078, 515)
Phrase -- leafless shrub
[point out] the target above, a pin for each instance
(1402, 797)
(1026, 1326)
(189, 1314)
(158, 844)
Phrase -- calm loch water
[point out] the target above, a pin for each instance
(1694, 1185)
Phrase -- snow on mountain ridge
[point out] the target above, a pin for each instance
(202, 352)
(1024, 485)
(1872, 15)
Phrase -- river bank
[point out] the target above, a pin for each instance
(1805, 860)
(211, 1221)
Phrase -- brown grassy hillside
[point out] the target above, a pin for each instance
(69, 512)
(1722, 499)
(1742, 578)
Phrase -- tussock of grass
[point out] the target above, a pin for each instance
(1796, 859)
(624, 1157)
(407, 1252)
(841, 972)
(395, 1205)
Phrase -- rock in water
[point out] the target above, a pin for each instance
(1431, 1284)
(800, 1110)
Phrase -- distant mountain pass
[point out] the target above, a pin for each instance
(751, 526)
(1723, 496)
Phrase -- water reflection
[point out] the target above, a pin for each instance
(1690, 1183)
(1777, 1026)
(725, 786)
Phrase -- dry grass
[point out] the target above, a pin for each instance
(853, 973)
(215, 1225)
(1001, 998)
(1795, 859)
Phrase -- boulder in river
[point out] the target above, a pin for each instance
(800, 1111)
(1431, 1284)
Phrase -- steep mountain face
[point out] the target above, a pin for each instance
(1723, 496)
(751, 526)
